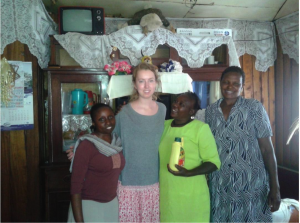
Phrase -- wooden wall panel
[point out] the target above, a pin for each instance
(286, 109)
(259, 85)
(248, 69)
(20, 182)
(265, 90)
(295, 113)
(272, 102)
(6, 207)
(279, 104)
(257, 91)
(287, 94)
(33, 148)
(18, 173)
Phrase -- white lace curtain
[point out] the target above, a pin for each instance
(288, 31)
(28, 22)
(94, 51)
(131, 41)
(254, 38)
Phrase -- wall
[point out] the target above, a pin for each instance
(287, 109)
(261, 86)
(20, 180)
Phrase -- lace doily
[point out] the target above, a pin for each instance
(93, 51)
(243, 31)
(131, 42)
(196, 49)
(89, 51)
(28, 22)
(289, 38)
(265, 51)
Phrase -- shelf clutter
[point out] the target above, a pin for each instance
(76, 122)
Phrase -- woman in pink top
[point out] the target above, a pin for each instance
(96, 166)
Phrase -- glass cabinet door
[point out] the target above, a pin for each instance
(77, 100)
(71, 94)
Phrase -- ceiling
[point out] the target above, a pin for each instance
(255, 10)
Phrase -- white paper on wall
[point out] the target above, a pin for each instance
(18, 114)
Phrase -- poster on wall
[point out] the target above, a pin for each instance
(17, 113)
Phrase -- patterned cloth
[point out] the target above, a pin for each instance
(287, 38)
(138, 203)
(239, 190)
(29, 23)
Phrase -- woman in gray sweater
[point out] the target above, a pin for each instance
(140, 125)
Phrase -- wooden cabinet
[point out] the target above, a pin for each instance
(55, 169)
(57, 188)
(57, 79)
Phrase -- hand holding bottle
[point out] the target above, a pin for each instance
(182, 172)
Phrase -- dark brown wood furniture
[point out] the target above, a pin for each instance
(56, 168)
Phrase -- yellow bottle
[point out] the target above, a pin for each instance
(177, 154)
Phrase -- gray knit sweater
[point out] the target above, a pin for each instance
(140, 136)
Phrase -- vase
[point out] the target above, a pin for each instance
(120, 73)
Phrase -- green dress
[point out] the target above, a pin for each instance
(186, 199)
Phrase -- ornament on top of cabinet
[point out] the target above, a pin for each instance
(114, 49)
(150, 22)
(148, 59)
(171, 66)
(118, 68)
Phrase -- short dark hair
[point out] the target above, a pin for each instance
(194, 97)
(234, 69)
(94, 109)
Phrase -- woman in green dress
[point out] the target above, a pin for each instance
(184, 194)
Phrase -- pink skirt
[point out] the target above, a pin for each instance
(138, 203)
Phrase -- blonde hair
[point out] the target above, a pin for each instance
(143, 66)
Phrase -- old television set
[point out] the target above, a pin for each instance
(81, 19)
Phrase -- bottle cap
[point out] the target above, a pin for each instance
(177, 139)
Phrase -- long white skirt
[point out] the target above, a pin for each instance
(94, 211)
